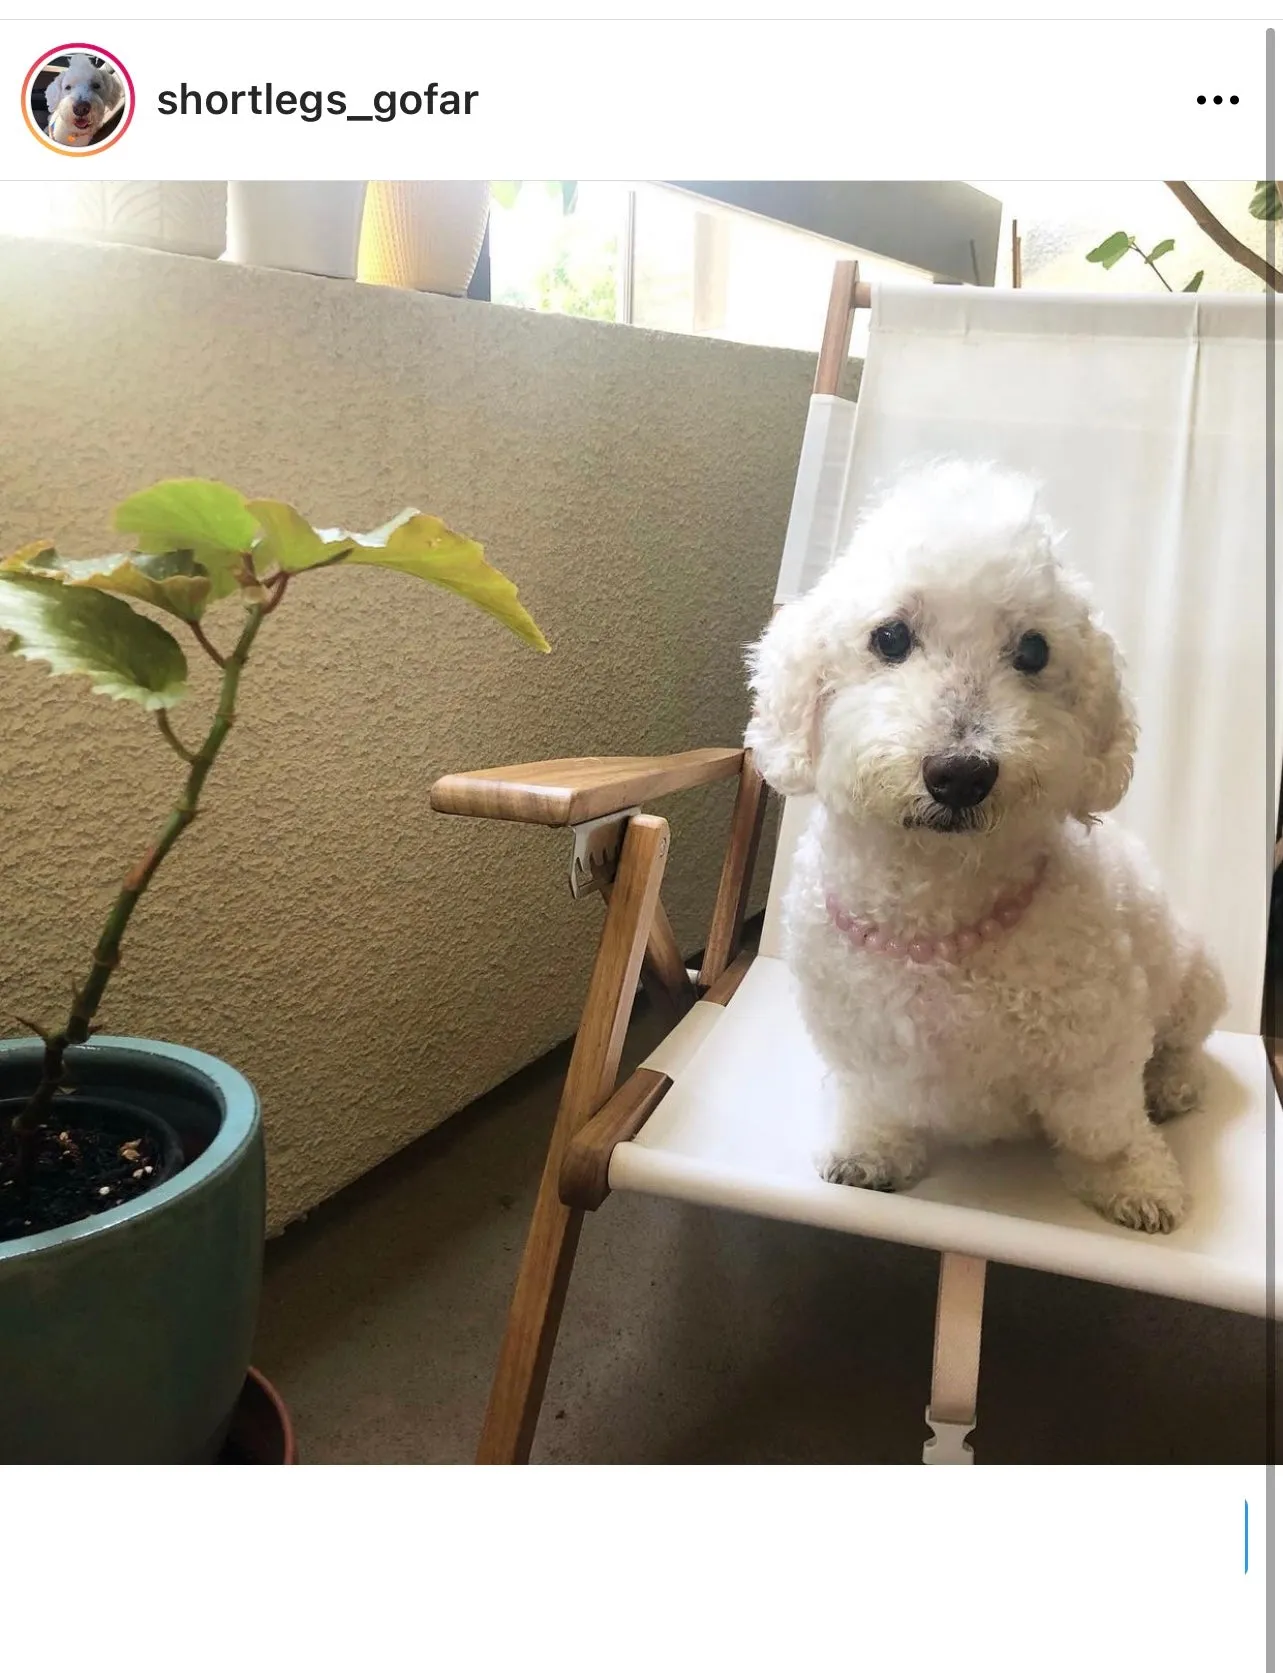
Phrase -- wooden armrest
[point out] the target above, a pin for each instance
(569, 792)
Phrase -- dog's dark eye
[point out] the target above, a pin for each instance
(892, 641)
(1032, 653)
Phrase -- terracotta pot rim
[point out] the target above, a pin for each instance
(289, 1447)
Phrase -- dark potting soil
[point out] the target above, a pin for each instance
(79, 1171)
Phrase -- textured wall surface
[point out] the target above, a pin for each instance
(370, 965)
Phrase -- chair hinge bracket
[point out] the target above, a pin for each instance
(598, 843)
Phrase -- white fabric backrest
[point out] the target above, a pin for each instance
(1145, 419)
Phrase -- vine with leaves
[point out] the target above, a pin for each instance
(1266, 204)
(197, 543)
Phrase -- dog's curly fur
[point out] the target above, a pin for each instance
(81, 100)
(1086, 1020)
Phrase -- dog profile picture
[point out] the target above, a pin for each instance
(78, 99)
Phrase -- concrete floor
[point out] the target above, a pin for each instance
(699, 1337)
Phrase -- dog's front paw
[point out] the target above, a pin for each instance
(1140, 1188)
(872, 1171)
(1147, 1211)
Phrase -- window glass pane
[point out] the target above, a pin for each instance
(553, 260)
(697, 267)
(1059, 221)
(720, 272)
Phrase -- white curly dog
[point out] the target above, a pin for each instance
(979, 955)
(81, 100)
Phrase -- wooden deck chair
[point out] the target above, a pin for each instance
(1145, 418)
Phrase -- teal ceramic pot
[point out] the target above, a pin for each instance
(125, 1338)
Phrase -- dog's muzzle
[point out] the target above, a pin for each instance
(958, 782)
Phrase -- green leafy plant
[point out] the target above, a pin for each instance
(1119, 244)
(506, 192)
(1266, 205)
(1267, 201)
(196, 545)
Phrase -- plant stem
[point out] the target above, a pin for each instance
(276, 591)
(1222, 237)
(207, 645)
(1148, 263)
(28, 1122)
(171, 737)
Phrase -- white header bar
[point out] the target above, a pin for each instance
(768, 100)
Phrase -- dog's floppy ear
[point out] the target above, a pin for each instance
(113, 89)
(1109, 726)
(53, 94)
(787, 680)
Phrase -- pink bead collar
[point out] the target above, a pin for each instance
(1007, 912)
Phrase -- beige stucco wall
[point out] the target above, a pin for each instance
(372, 966)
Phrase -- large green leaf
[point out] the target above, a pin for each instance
(1112, 251)
(1267, 201)
(289, 541)
(189, 514)
(169, 580)
(420, 545)
(82, 631)
(1163, 249)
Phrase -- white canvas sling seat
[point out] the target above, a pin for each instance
(1145, 420)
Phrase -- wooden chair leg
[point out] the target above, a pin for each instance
(535, 1314)
(664, 970)
(737, 874)
(955, 1368)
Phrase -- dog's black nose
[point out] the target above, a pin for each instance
(81, 107)
(959, 781)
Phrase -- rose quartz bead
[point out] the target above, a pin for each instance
(858, 934)
(893, 948)
(842, 920)
(966, 941)
(989, 929)
(1009, 915)
(921, 952)
(875, 941)
(947, 947)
